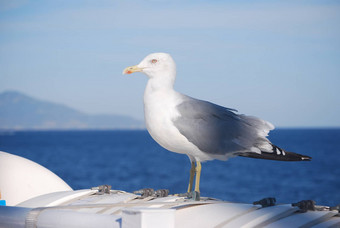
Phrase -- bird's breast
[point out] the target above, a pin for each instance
(159, 112)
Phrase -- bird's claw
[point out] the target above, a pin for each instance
(191, 195)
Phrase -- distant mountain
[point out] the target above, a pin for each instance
(21, 112)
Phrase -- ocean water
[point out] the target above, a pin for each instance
(131, 160)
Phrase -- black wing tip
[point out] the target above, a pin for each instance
(278, 154)
(305, 158)
(299, 157)
(289, 156)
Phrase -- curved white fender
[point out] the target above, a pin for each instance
(22, 179)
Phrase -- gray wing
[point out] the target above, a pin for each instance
(218, 130)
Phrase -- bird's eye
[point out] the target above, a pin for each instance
(154, 61)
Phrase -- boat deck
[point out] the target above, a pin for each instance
(112, 208)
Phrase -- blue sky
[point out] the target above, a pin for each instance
(278, 60)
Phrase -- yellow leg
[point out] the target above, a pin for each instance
(192, 174)
(198, 176)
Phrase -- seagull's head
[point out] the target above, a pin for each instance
(154, 65)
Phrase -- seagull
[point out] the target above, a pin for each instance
(200, 129)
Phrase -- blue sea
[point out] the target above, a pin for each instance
(131, 160)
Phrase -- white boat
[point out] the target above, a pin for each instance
(36, 197)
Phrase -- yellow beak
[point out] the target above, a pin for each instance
(132, 69)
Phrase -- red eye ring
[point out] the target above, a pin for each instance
(154, 61)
